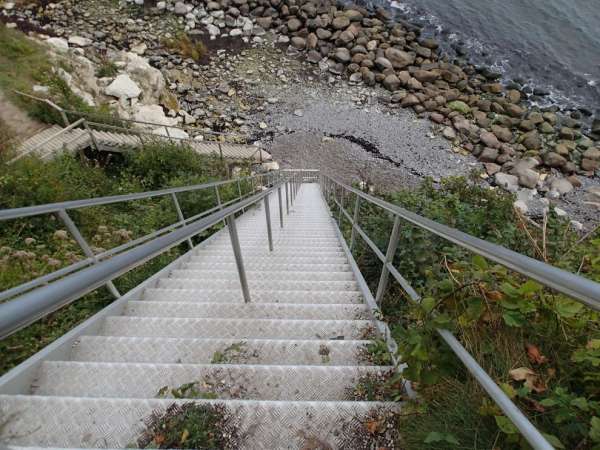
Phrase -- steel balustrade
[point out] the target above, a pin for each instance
(96, 270)
(579, 288)
(61, 209)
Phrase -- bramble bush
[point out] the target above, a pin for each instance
(541, 347)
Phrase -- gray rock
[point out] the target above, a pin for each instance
(561, 185)
(489, 139)
(294, 24)
(399, 58)
(342, 55)
(525, 173)
(180, 9)
(391, 83)
(507, 182)
(489, 154)
(341, 22)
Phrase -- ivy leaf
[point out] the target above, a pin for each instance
(529, 287)
(480, 262)
(567, 308)
(554, 441)
(595, 429)
(513, 318)
(580, 403)
(505, 425)
(436, 436)
(428, 303)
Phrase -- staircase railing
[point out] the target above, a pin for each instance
(577, 287)
(145, 132)
(36, 298)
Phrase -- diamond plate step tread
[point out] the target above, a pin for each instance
(224, 381)
(236, 328)
(256, 296)
(222, 310)
(261, 274)
(283, 259)
(256, 285)
(117, 423)
(204, 351)
(253, 266)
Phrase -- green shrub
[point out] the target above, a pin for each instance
(35, 246)
(541, 347)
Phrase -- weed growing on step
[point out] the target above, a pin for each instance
(376, 353)
(378, 387)
(379, 429)
(189, 425)
(541, 348)
(233, 353)
(195, 389)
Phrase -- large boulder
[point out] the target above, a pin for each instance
(150, 80)
(399, 58)
(123, 87)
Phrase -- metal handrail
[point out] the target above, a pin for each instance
(577, 287)
(27, 211)
(31, 306)
(61, 210)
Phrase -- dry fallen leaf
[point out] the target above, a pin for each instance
(534, 354)
(531, 379)
(372, 426)
(494, 296)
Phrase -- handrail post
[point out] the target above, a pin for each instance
(181, 217)
(354, 222)
(269, 230)
(92, 137)
(62, 214)
(237, 253)
(168, 134)
(287, 198)
(389, 257)
(280, 206)
(341, 207)
(219, 202)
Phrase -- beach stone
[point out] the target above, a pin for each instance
(298, 42)
(546, 128)
(449, 133)
(555, 160)
(567, 133)
(340, 22)
(323, 34)
(294, 24)
(532, 140)
(488, 154)
(391, 83)
(59, 44)
(592, 153)
(460, 106)
(79, 41)
(383, 63)
(426, 76)
(342, 55)
(399, 58)
(410, 100)
(503, 134)
(523, 170)
(180, 9)
(561, 185)
(513, 110)
(507, 182)
(513, 96)
(589, 165)
(437, 118)
(489, 139)
(562, 149)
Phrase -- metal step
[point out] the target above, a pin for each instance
(257, 266)
(276, 258)
(117, 423)
(257, 285)
(246, 310)
(236, 328)
(262, 274)
(233, 295)
(206, 351)
(217, 381)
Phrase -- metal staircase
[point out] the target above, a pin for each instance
(271, 315)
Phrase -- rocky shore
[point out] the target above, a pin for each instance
(281, 43)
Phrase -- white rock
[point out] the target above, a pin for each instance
(37, 89)
(262, 126)
(235, 32)
(9, 5)
(578, 226)
(161, 6)
(152, 114)
(272, 165)
(175, 133)
(139, 49)
(149, 79)
(213, 30)
(521, 205)
(507, 182)
(560, 212)
(181, 9)
(11, 25)
(57, 43)
(123, 87)
(139, 2)
(79, 41)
